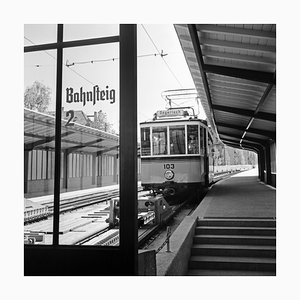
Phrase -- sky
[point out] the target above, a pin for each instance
(155, 74)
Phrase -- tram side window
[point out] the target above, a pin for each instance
(177, 140)
(159, 138)
(193, 141)
(145, 141)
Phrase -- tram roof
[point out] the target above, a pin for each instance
(174, 120)
(39, 133)
(234, 71)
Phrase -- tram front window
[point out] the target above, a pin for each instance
(193, 141)
(177, 140)
(159, 138)
(202, 141)
(145, 141)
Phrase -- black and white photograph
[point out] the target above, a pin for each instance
(147, 152)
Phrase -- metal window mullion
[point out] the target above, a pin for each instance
(128, 147)
(59, 68)
(75, 43)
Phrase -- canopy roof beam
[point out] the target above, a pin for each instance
(243, 146)
(246, 112)
(252, 75)
(251, 140)
(92, 143)
(237, 45)
(237, 31)
(266, 133)
(198, 53)
(44, 140)
(239, 57)
(259, 105)
(107, 150)
(249, 144)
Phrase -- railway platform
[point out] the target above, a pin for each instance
(231, 232)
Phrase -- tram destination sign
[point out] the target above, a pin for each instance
(91, 97)
(170, 113)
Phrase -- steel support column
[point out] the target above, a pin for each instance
(115, 169)
(26, 157)
(128, 148)
(268, 164)
(262, 164)
(59, 71)
(66, 169)
(93, 169)
(273, 162)
(99, 166)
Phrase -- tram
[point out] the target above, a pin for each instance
(175, 154)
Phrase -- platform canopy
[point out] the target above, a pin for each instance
(39, 133)
(234, 71)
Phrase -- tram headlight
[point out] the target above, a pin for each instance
(169, 174)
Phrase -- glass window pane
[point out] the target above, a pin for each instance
(35, 34)
(145, 141)
(39, 143)
(159, 140)
(202, 140)
(193, 141)
(177, 140)
(90, 127)
(88, 31)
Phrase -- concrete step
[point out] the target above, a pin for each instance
(234, 250)
(229, 273)
(237, 222)
(232, 263)
(233, 230)
(234, 239)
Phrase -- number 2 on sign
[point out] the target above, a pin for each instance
(71, 114)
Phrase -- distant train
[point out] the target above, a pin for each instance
(175, 154)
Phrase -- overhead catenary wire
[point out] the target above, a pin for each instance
(162, 56)
(52, 56)
(106, 60)
(68, 65)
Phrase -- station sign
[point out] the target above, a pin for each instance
(93, 96)
(170, 113)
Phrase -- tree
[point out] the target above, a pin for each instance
(101, 123)
(37, 97)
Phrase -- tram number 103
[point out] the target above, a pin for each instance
(169, 166)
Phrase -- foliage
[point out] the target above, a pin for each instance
(224, 155)
(101, 122)
(37, 97)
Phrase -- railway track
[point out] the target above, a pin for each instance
(75, 204)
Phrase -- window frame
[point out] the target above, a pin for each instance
(177, 123)
(59, 259)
